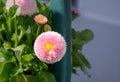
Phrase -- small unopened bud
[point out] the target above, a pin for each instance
(7, 45)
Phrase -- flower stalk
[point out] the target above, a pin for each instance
(16, 34)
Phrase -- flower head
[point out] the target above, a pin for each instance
(50, 47)
(75, 11)
(41, 19)
(27, 7)
(9, 3)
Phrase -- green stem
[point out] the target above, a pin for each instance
(9, 25)
(16, 34)
(1, 37)
(38, 30)
(24, 77)
(22, 33)
(29, 38)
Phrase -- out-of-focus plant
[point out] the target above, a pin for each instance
(79, 39)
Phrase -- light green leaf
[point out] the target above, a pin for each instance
(27, 58)
(2, 27)
(2, 63)
(19, 49)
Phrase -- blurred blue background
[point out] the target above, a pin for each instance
(103, 52)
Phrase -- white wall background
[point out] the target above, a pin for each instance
(105, 10)
(103, 18)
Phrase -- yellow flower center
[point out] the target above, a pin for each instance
(41, 19)
(48, 46)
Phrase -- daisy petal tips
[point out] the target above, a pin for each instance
(50, 47)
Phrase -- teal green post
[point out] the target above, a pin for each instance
(61, 12)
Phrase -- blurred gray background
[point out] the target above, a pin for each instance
(103, 52)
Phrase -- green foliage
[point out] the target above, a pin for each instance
(45, 77)
(42, 76)
(6, 60)
(79, 39)
(17, 35)
(18, 62)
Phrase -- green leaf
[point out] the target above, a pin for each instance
(84, 60)
(17, 12)
(45, 76)
(79, 38)
(13, 38)
(2, 27)
(5, 57)
(77, 44)
(43, 65)
(87, 35)
(20, 78)
(6, 72)
(38, 65)
(79, 61)
(12, 11)
(2, 4)
(74, 71)
(41, 77)
(8, 55)
(19, 49)
(27, 58)
(75, 60)
(2, 62)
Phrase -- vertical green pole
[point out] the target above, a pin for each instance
(61, 12)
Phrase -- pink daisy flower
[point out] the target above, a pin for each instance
(9, 3)
(50, 47)
(27, 7)
(41, 19)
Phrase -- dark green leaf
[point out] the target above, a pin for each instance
(45, 76)
(84, 60)
(6, 72)
(8, 55)
(74, 71)
(75, 60)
